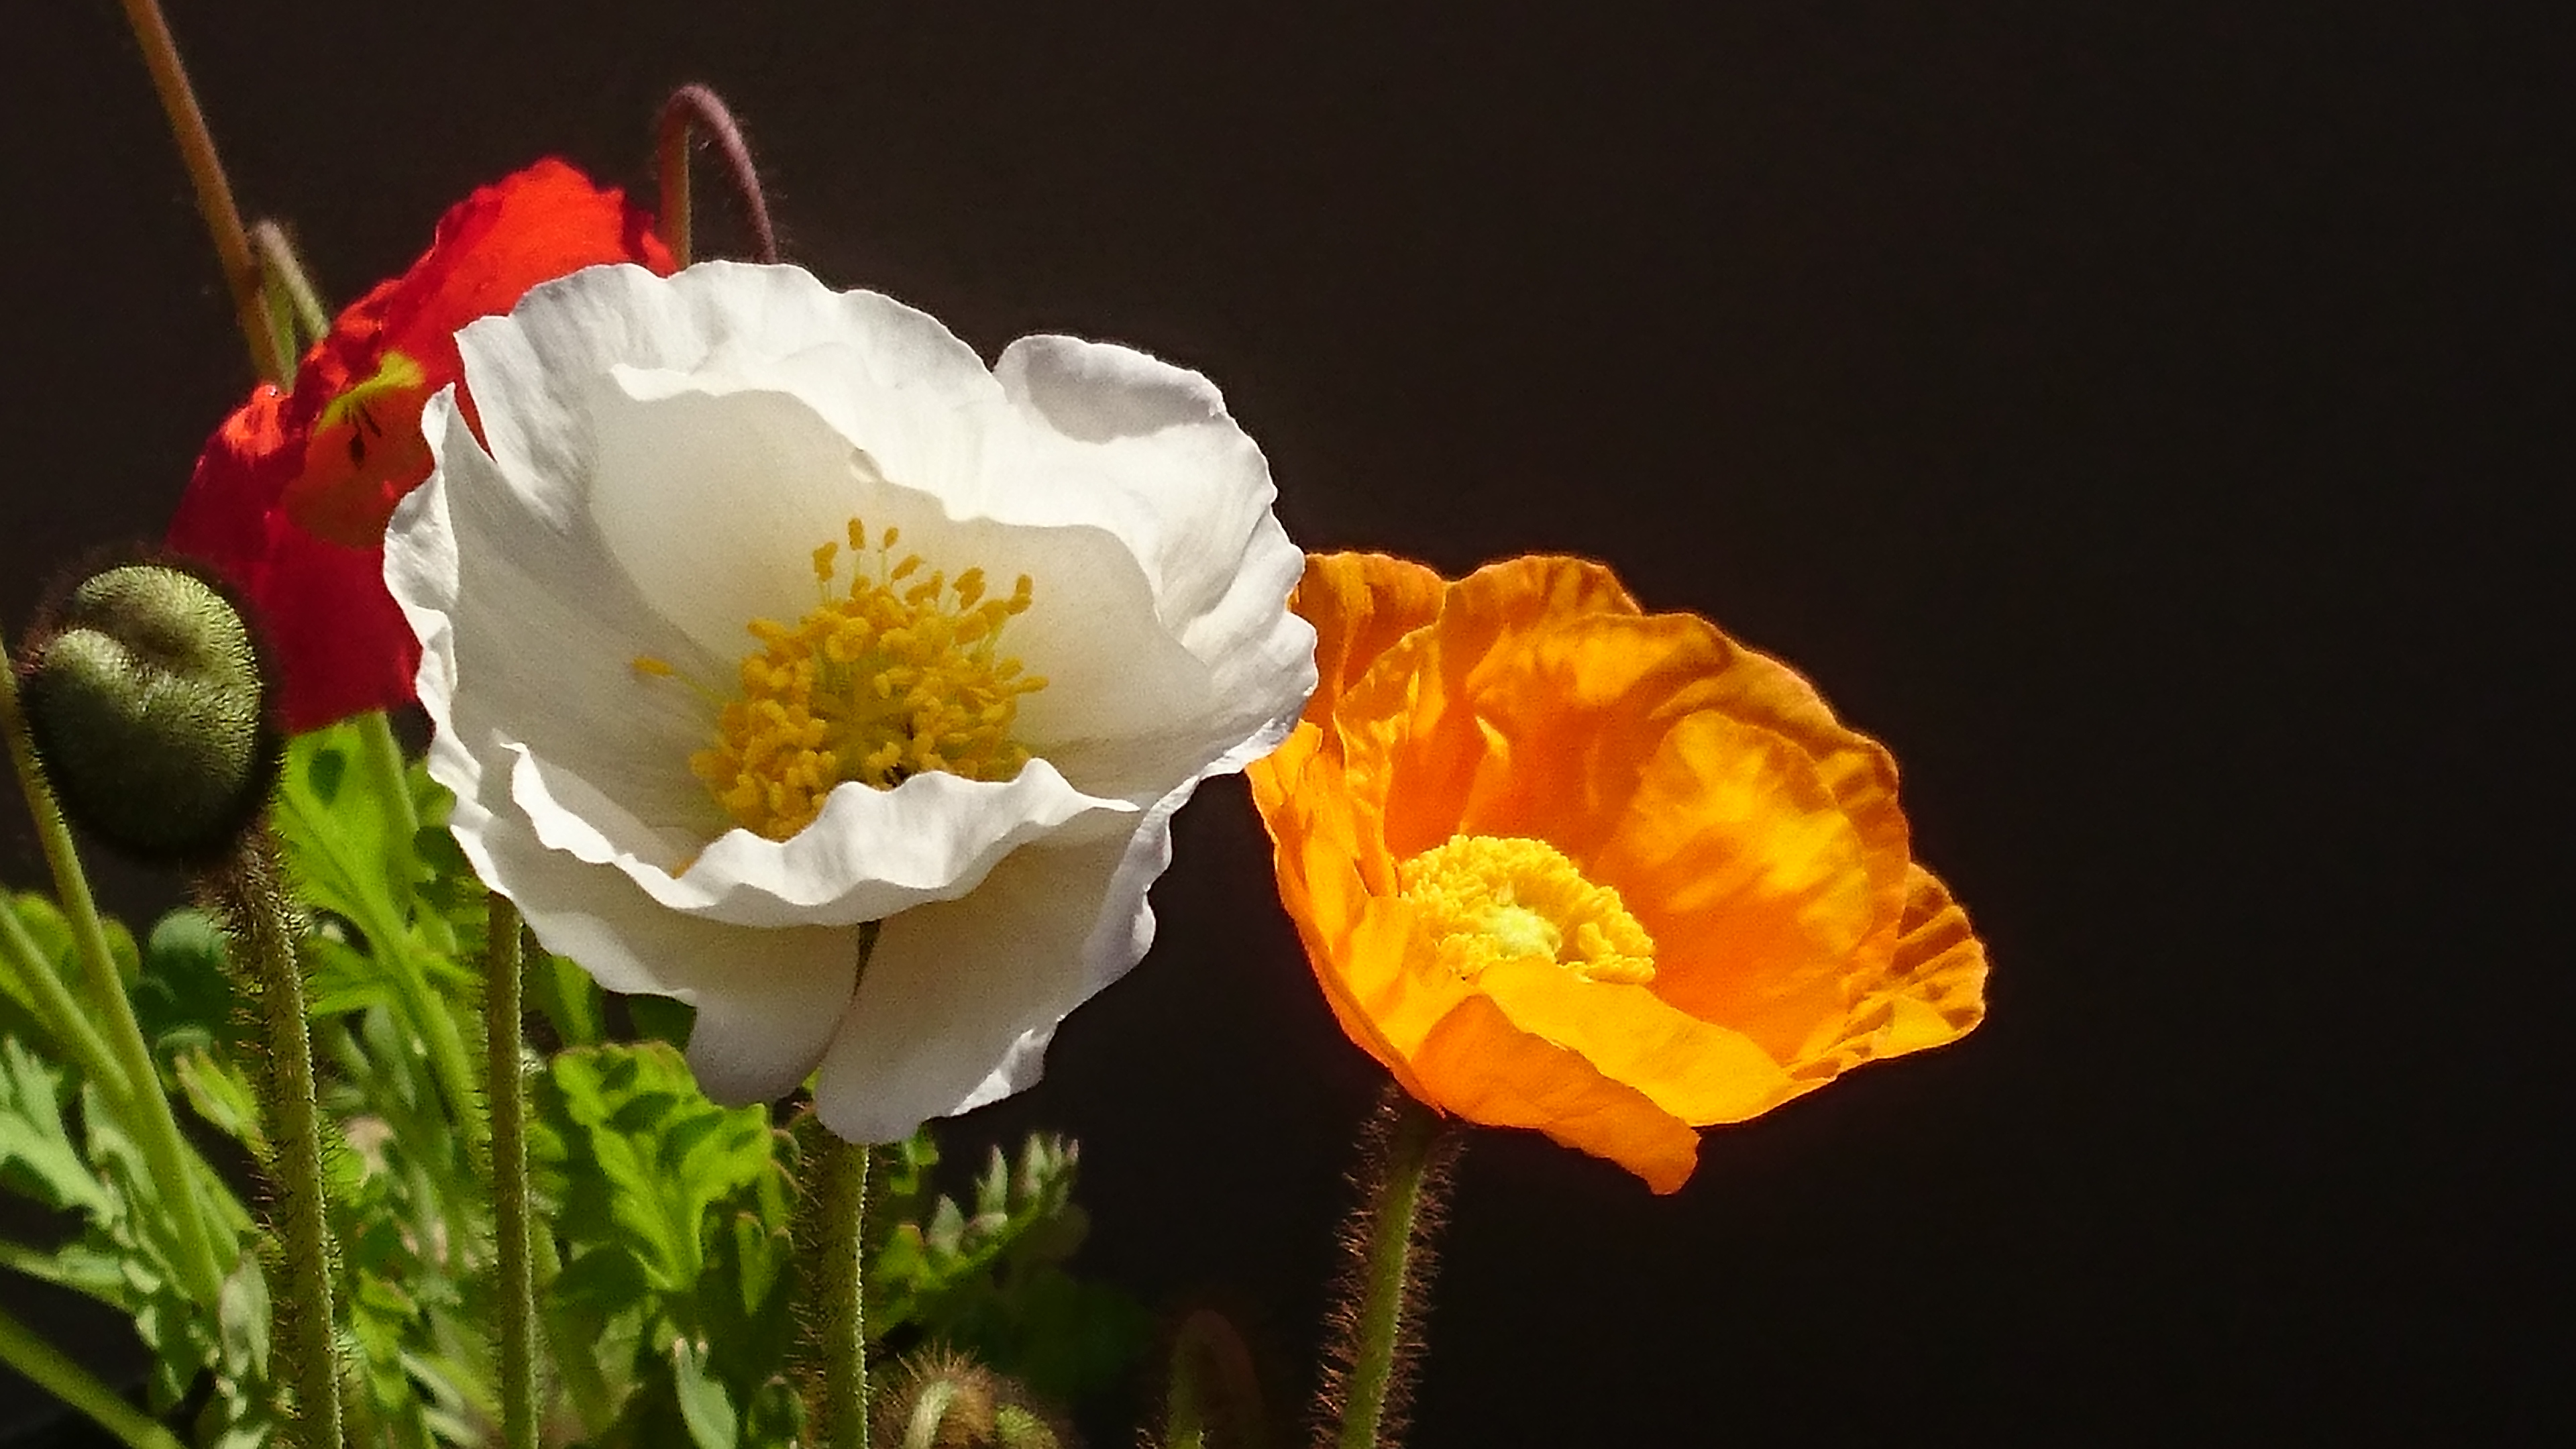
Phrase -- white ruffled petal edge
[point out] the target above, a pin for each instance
(960, 999)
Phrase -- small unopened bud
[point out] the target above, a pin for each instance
(144, 693)
(941, 1399)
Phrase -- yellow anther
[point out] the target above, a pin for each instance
(1488, 898)
(875, 685)
(647, 664)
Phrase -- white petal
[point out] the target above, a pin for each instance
(767, 1001)
(717, 319)
(1160, 463)
(869, 854)
(713, 502)
(531, 632)
(959, 1000)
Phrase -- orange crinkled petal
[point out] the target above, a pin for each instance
(1477, 1064)
(1753, 836)
(1930, 993)
(1359, 603)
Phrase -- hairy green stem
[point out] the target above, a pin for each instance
(45, 1366)
(249, 894)
(1410, 1159)
(146, 1107)
(268, 356)
(839, 1186)
(61, 1013)
(504, 1087)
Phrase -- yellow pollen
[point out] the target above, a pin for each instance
(875, 684)
(1489, 898)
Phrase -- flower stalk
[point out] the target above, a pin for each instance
(48, 1368)
(692, 110)
(837, 1188)
(269, 357)
(248, 895)
(1371, 1364)
(136, 1083)
(506, 1090)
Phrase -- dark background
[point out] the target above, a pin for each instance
(2139, 416)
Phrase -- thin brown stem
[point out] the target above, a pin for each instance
(214, 193)
(695, 113)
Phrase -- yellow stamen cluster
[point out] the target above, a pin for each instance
(1489, 898)
(894, 675)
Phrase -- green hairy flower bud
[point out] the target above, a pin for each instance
(145, 695)
(945, 1400)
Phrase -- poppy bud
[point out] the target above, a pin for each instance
(145, 694)
(945, 1400)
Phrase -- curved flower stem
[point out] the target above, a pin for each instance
(250, 898)
(504, 1087)
(1409, 1155)
(691, 109)
(45, 1366)
(145, 1106)
(1214, 1394)
(268, 357)
(839, 1184)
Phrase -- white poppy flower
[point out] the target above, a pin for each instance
(980, 751)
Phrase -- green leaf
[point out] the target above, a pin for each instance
(704, 1406)
(661, 1018)
(221, 1095)
(350, 847)
(242, 1321)
(184, 996)
(37, 1156)
(568, 999)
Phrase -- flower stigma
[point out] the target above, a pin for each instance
(892, 676)
(1488, 898)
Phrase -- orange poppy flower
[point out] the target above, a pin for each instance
(1563, 864)
(290, 498)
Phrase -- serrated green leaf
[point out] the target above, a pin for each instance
(37, 1155)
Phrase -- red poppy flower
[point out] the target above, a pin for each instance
(289, 499)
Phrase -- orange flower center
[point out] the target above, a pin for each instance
(892, 676)
(1487, 898)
